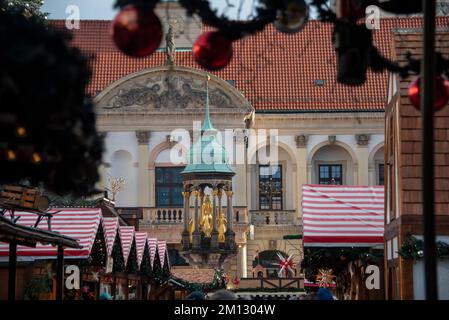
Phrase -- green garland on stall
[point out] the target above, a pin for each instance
(160, 274)
(117, 256)
(292, 236)
(412, 248)
(145, 266)
(99, 254)
(39, 285)
(219, 282)
(336, 259)
(131, 266)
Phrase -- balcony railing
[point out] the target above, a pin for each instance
(164, 216)
(271, 218)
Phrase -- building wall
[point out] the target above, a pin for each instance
(299, 167)
(138, 143)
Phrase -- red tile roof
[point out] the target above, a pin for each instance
(276, 72)
(192, 275)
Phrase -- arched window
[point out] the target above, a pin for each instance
(169, 187)
(270, 187)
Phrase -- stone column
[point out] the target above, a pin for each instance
(151, 181)
(230, 235)
(196, 238)
(301, 170)
(243, 261)
(240, 184)
(214, 234)
(185, 232)
(362, 159)
(143, 193)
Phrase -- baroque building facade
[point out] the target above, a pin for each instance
(277, 100)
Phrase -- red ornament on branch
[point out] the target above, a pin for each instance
(441, 93)
(136, 31)
(212, 50)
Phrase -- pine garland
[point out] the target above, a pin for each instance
(48, 133)
(25, 7)
(117, 256)
(131, 266)
(412, 248)
(99, 254)
(145, 266)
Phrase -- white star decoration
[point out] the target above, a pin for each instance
(285, 265)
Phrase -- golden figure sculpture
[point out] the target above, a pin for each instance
(205, 219)
(221, 225)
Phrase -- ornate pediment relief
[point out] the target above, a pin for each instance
(169, 90)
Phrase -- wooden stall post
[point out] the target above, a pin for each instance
(60, 274)
(12, 269)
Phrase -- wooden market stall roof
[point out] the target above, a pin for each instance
(141, 240)
(127, 238)
(338, 216)
(78, 223)
(111, 225)
(162, 250)
(152, 246)
(30, 236)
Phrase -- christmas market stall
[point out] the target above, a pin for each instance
(141, 247)
(343, 239)
(82, 264)
(144, 256)
(13, 233)
(160, 289)
(124, 278)
(115, 261)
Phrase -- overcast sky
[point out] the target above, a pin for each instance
(103, 9)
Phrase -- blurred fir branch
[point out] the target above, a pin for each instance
(26, 7)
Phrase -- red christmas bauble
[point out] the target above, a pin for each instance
(136, 31)
(441, 93)
(212, 50)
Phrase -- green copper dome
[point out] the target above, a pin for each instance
(207, 156)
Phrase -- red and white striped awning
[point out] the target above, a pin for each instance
(141, 240)
(335, 216)
(111, 225)
(127, 237)
(152, 245)
(161, 249)
(78, 223)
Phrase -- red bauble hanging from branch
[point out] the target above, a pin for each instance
(137, 31)
(441, 93)
(212, 50)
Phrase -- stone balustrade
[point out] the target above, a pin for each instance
(163, 216)
(261, 218)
